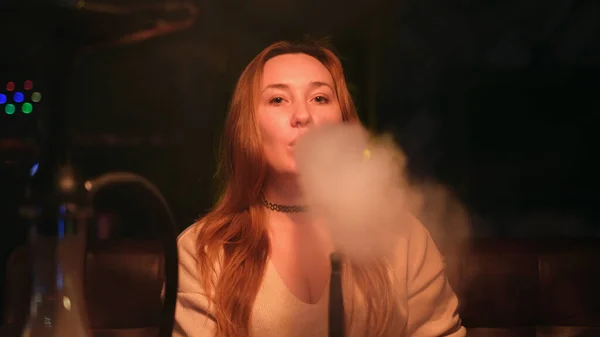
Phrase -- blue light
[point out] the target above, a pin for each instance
(2, 98)
(34, 169)
(62, 211)
(18, 97)
(59, 277)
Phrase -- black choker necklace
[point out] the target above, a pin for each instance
(283, 208)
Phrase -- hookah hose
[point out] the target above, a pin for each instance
(168, 234)
(336, 300)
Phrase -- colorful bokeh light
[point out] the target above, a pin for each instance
(27, 108)
(36, 97)
(9, 109)
(18, 97)
(34, 169)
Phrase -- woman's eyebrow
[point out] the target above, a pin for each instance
(283, 86)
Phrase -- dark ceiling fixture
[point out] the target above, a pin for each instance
(100, 23)
(140, 21)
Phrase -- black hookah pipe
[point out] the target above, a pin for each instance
(168, 235)
(337, 322)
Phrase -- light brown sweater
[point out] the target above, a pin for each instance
(427, 302)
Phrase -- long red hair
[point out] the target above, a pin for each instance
(233, 235)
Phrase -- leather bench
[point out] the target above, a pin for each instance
(527, 287)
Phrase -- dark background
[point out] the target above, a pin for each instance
(496, 99)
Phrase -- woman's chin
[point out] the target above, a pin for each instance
(288, 170)
(292, 169)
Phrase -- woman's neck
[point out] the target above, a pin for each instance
(283, 190)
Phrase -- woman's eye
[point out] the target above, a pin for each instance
(321, 100)
(276, 100)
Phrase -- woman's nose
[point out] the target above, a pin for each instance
(301, 116)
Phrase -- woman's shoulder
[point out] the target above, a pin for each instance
(417, 232)
(411, 231)
(189, 235)
(415, 246)
(187, 249)
(187, 242)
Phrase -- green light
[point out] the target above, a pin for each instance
(36, 97)
(27, 108)
(9, 109)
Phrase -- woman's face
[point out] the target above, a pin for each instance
(296, 93)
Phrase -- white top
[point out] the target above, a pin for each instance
(426, 300)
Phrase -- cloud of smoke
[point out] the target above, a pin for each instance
(358, 184)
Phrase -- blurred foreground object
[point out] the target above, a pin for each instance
(58, 249)
(48, 37)
(58, 223)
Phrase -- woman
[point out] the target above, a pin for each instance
(257, 264)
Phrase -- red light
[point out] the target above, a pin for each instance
(28, 85)
(10, 86)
